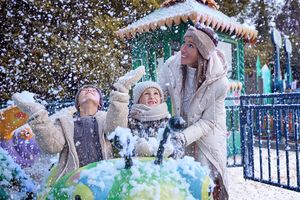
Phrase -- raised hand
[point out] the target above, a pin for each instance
(125, 83)
(27, 107)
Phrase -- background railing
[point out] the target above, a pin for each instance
(270, 139)
(232, 105)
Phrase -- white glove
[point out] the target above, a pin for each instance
(143, 148)
(27, 107)
(125, 83)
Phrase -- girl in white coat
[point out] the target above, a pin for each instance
(195, 79)
(147, 116)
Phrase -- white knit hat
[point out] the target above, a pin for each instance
(140, 87)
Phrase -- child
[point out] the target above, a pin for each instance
(148, 114)
(81, 140)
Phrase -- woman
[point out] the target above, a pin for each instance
(195, 79)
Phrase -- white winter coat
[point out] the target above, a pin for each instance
(58, 136)
(206, 116)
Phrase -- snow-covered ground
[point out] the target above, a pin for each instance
(241, 189)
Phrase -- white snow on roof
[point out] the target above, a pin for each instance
(181, 9)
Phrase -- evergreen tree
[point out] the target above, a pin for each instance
(232, 8)
(262, 19)
(53, 47)
(14, 183)
(261, 15)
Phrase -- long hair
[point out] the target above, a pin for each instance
(200, 72)
(202, 62)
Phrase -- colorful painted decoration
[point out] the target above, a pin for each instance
(22, 147)
(16, 137)
(11, 118)
(174, 179)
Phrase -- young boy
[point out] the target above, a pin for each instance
(81, 140)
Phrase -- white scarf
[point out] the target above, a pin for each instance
(145, 113)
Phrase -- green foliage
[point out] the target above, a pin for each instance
(13, 180)
(53, 47)
(264, 15)
(232, 8)
(263, 49)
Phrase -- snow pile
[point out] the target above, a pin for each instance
(109, 172)
(153, 143)
(144, 173)
(128, 141)
(108, 179)
(189, 166)
(14, 183)
(146, 177)
(30, 97)
(125, 141)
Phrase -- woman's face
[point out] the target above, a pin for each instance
(150, 97)
(89, 94)
(189, 53)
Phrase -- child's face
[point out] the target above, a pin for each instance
(150, 97)
(89, 94)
